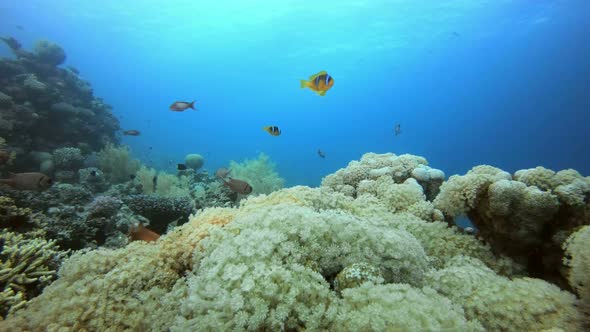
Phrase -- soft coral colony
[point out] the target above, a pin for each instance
(370, 249)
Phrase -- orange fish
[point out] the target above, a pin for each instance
(141, 233)
(181, 106)
(273, 130)
(320, 83)
(28, 181)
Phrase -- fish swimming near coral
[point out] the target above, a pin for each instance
(140, 233)
(222, 172)
(181, 106)
(273, 130)
(397, 129)
(28, 181)
(320, 83)
(132, 132)
(238, 186)
(181, 167)
(321, 154)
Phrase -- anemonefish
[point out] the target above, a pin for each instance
(320, 83)
(273, 130)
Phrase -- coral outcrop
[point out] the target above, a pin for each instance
(315, 259)
(527, 216)
(44, 107)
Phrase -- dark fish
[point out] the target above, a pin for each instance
(181, 167)
(456, 34)
(4, 157)
(155, 182)
(28, 181)
(321, 154)
(222, 172)
(20, 27)
(397, 129)
(320, 83)
(132, 176)
(238, 186)
(93, 173)
(181, 106)
(273, 130)
(12, 43)
(131, 132)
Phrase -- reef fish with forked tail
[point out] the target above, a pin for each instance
(320, 83)
(181, 106)
(28, 181)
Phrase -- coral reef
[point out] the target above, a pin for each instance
(368, 250)
(373, 166)
(527, 216)
(259, 173)
(160, 211)
(194, 161)
(31, 118)
(304, 258)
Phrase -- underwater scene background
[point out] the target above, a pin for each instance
(384, 165)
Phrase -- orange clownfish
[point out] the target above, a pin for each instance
(273, 130)
(320, 82)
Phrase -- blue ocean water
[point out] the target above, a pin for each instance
(471, 82)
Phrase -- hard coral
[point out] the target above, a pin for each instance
(26, 267)
(116, 163)
(577, 260)
(49, 53)
(272, 264)
(526, 219)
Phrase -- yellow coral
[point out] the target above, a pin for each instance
(26, 266)
(167, 185)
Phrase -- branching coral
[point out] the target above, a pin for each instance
(260, 173)
(26, 267)
(116, 163)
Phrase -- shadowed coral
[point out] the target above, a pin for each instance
(49, 53)
(577, 260)
(526, 219)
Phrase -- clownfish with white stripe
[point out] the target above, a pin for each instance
(320, 83)
(273, 130)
